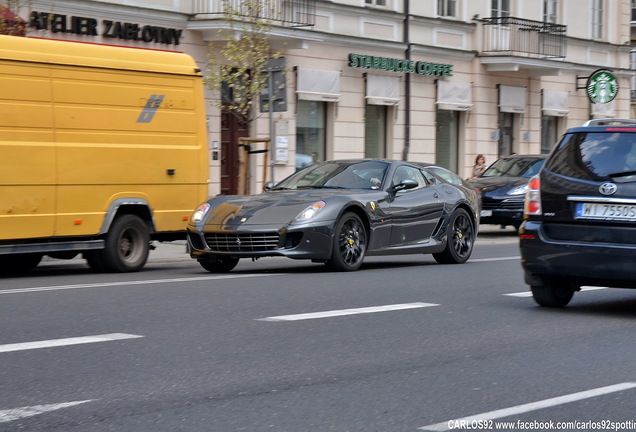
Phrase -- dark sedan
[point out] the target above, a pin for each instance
(338, 212)
(503, 188)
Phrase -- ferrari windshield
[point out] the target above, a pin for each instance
(338, 175)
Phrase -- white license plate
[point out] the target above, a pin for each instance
(486, 213)
(604, 211)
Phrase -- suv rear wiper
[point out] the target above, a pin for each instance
(622, 174)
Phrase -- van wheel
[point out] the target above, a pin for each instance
(126, 249)
(552, 293)
(219, 264)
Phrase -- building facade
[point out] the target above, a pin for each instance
(428, 80)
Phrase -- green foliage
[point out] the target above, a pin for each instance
(237, 67)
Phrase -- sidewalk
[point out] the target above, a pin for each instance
(169, 251)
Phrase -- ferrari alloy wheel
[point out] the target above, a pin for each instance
(460, 238)
(350, 244)
(219, 264)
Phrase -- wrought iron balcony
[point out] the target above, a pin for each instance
(522, 37)
(292, 13)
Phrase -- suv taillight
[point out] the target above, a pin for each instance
(532, 204)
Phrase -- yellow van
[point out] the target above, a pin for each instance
(102, 149)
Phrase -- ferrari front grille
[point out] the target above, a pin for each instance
(249, 242)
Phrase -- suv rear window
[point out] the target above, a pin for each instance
(596, 156)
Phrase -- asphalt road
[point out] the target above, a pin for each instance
(404, 344)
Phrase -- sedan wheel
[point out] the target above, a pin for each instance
(460, 238)
(350, 244)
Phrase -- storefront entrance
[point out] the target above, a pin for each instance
(233, 127)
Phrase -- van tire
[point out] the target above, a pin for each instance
(126, 249)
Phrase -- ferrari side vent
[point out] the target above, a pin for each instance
(248, 242)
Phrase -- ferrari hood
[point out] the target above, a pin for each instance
(276, 208)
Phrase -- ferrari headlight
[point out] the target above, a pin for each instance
(519, 190)
(309, 212)
(200, 212)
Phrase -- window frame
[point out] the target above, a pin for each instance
(447, 8)
(377, 3)
(550, 11)
(597, 28)
(498, 11)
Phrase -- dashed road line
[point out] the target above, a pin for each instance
(343, 312)
(494, 259)
(520, 409)
(66, 341)
(139, 282)
(529, 294)
(30, 411)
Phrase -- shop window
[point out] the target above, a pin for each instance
(447, 139)
(549, 133)
(375, 131)
(506, 133)
(310, 132)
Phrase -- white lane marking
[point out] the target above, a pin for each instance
(30, 411)
(494, 259)
(342, 312)
(66, 341)
(125, 283)
(529, 294)
(520, 409)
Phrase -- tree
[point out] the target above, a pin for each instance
(237, 70)
(10, 21)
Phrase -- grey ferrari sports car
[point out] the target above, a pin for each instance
(337, 212)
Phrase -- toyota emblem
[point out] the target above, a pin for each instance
(607, 188)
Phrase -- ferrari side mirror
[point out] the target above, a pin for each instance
(405, 184)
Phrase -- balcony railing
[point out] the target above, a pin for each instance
(292, 13)
(522, 37)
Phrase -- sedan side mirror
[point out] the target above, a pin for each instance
(268, 186)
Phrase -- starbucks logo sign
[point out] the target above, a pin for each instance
(602, 86)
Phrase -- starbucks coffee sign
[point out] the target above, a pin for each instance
(400, 65)
(602, 86)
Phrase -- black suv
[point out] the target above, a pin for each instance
(580, 214)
